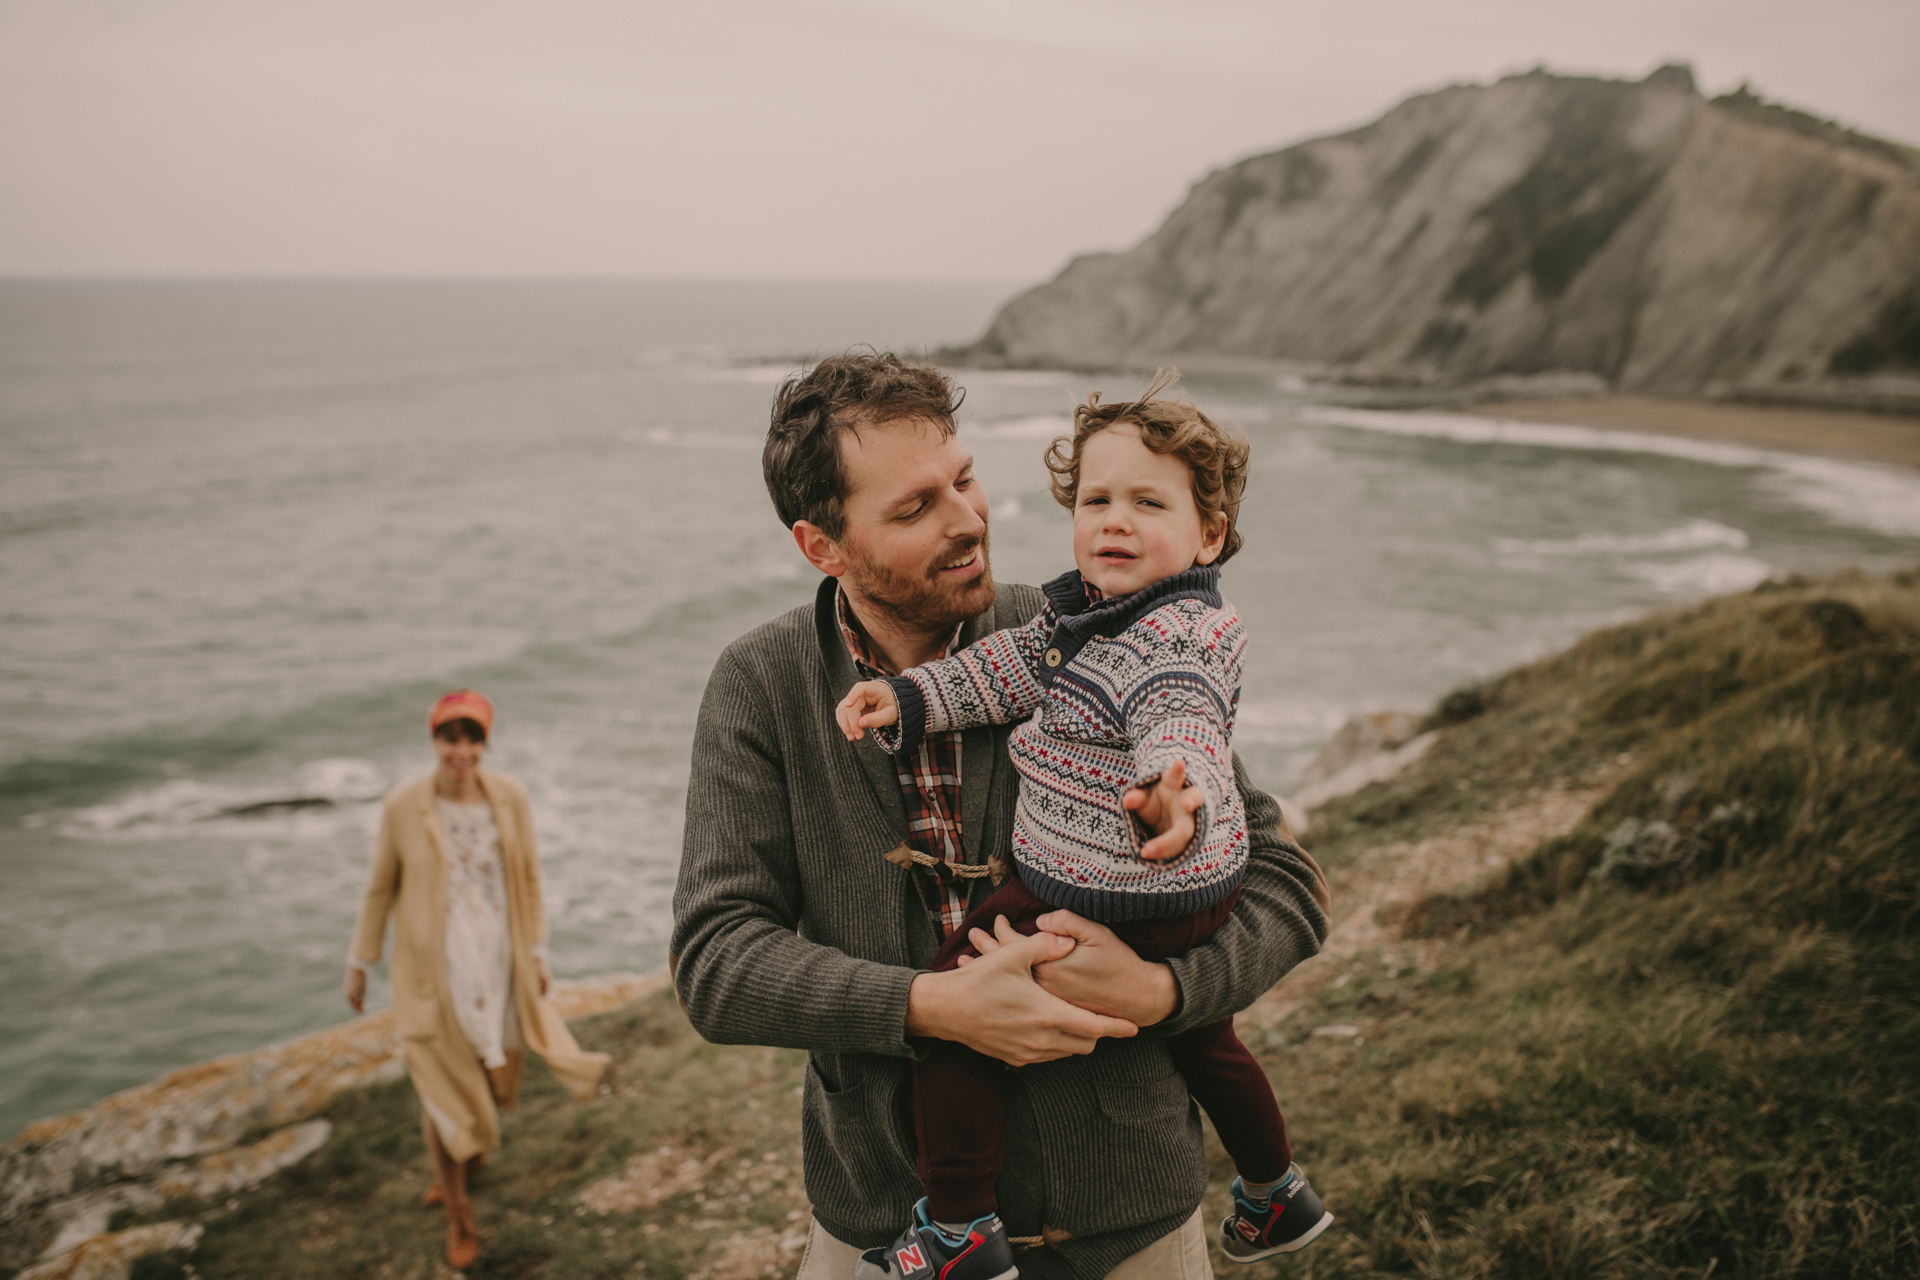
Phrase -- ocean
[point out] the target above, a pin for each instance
(249, 531)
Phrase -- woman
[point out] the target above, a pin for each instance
(456, 868)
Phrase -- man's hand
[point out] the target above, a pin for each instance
(993, 1004)
(355, 988)
(1100, 974)
(872, 704)
(1168, 807)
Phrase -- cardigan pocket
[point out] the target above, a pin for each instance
(847, 1144)
(1137, 1084)
(1155, 1102)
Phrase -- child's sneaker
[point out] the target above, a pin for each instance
(1292, 1219)
(925, 1252)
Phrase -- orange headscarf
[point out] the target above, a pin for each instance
(462, 704)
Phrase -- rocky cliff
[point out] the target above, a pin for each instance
(1634, 235)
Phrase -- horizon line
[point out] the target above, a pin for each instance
(88, 277)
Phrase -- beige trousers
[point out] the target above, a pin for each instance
(1178, 1255)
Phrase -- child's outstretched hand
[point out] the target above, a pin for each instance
(869, 706)
(1167, 806)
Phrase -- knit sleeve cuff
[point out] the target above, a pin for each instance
(904, 734)
(355, 962)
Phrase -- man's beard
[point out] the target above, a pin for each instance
(919, 601)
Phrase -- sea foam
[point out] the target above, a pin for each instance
(1865, 495)
(1694, 535)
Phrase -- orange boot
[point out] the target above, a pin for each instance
(463, 1243)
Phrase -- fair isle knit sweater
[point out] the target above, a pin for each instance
(1122, 688)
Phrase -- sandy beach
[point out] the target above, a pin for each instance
(1880, 437)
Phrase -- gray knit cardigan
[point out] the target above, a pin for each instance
(792, 928)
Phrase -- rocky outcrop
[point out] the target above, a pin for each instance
(61, 1180)
(1368, 748)
(112, 1256)
(1632, 236)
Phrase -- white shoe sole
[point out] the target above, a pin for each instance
(1294, 1245)
(864, 1270)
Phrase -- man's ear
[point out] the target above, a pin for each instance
(1214, 542)
(820, 550)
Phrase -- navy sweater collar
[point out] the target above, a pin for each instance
(1068, 595)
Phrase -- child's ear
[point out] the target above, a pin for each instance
(1214, 541)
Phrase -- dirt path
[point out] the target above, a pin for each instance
(1371, 894)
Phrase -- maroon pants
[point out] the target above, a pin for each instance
(956, 1090)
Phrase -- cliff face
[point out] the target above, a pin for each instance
(1636, 233)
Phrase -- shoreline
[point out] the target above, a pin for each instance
(1846, 433)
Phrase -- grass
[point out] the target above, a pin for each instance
(353, 1209)
(1679, 1054)
(1678, 1041)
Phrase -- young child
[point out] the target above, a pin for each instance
(1127, 814)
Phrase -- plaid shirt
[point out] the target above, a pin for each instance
(930, 784)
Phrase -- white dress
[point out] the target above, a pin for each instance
(479, 941)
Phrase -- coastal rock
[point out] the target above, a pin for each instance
(61, 1179)
(192, 1112)
(1543, 231)
(1367, 749)
(80, 1217)
(111, 1257)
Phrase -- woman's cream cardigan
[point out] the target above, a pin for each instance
(409, 883)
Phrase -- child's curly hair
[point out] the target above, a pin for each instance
(1217, 456)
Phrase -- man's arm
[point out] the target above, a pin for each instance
(745, 975)
(742, 971)
(1277, 924)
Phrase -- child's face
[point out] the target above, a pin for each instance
(1134, 518)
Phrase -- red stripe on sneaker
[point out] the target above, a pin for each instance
(974, 1241)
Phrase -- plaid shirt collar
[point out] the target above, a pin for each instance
(870, 665)
(929, 784)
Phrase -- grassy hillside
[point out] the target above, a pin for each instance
(1679, 1040)
(1684, 1037)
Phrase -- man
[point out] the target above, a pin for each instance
(819, 877)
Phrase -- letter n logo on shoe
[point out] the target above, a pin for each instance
(1248, 1230)
(911, 1260)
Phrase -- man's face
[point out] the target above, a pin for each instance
(915, 540)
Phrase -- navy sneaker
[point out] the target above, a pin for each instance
(1292, 1219)
(925, 1252)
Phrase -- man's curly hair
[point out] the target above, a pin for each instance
(862, 388)
(1215, 455)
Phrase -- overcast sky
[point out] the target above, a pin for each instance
(812, 138)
